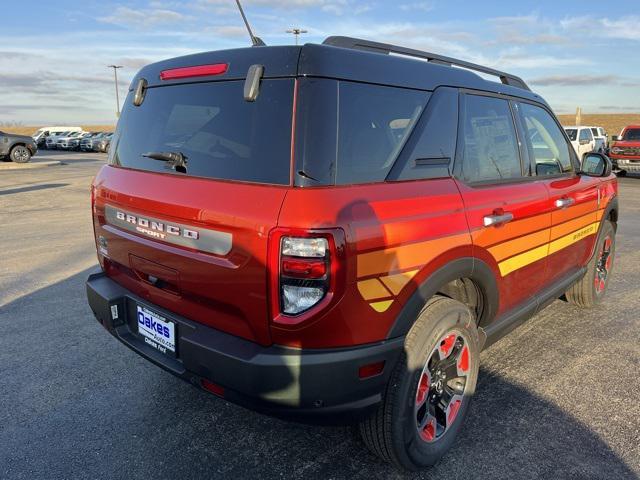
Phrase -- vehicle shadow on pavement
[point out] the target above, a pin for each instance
(78, 404)
(31, 188)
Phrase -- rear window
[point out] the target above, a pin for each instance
(572, 133)
(350, 133)
(221, 135)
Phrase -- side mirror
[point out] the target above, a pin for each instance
(596, 165)
(615, 138)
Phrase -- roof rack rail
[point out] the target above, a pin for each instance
(367, 45)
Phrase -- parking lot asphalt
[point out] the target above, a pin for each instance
(557, 398)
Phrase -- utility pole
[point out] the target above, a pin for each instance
(296, 32)
(115, 77)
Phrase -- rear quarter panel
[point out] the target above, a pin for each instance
(397, 234)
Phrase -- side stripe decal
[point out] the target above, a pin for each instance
(395, 267)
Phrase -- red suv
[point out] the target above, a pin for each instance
(336, 231)
(625, 150)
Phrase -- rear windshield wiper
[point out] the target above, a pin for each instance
(174, 160)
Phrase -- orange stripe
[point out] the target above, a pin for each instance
(519, 245)
(485, 237)
(372, 288)
(407, 256)
(575, 211)
(572, 225)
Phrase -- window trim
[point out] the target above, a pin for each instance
(458, 161)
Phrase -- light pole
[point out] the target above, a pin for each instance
(296, 32)
(115, 77)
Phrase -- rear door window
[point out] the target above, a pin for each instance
(221, 135)
(349, 132)
(489, 146)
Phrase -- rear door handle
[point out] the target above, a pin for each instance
(494, 220)
(564, 202)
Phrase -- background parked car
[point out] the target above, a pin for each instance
(17, 148)
(103, 144)
(582, 139)
(625, 150)
(40, 136)
(69, 142)
(86, 143)
(51, 142)
(600, 136)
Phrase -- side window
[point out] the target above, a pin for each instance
(373, 124)
(489, 143)
(545, 141)
(585, 134)
(431, 148)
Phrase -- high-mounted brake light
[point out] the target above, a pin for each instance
(196, 71)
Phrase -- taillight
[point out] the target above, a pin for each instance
(304, 278)
(306, 269)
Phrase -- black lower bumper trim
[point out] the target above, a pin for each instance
(301, 384)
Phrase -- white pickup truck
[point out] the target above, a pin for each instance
(602, 141)
(582, 139)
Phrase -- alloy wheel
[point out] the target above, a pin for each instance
(440, 390)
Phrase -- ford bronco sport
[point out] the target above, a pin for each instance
(336, 231)
(17, 148)
(625, 150)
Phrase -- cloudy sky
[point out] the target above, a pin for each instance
(53, 57)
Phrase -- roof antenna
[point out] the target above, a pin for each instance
(256, 41)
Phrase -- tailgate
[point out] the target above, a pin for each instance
(196, 247)
(191, 235)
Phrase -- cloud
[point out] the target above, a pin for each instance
(51, 83)
(618, 108)
(130, 17)
(133, 62)
(526, 30)
(573, 80)
(420, 6)
(334, 7)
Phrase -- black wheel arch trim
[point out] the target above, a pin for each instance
(612, 206)
(467, 267)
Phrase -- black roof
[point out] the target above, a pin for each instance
(347, 63)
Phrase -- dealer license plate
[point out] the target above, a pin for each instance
(157, 331)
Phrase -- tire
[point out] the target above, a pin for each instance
(397, 432)
(590, 289)
(20, 154)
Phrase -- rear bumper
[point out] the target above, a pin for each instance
(305, 385)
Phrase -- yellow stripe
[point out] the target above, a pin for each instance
(572, 238)
(519, 245)
(530, 256)
(372, 288)
(381, 306)
(397, 282)
(522, 260)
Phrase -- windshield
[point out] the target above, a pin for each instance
(572, 132)
(632, 134)
(221, 135)
(595, 131)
